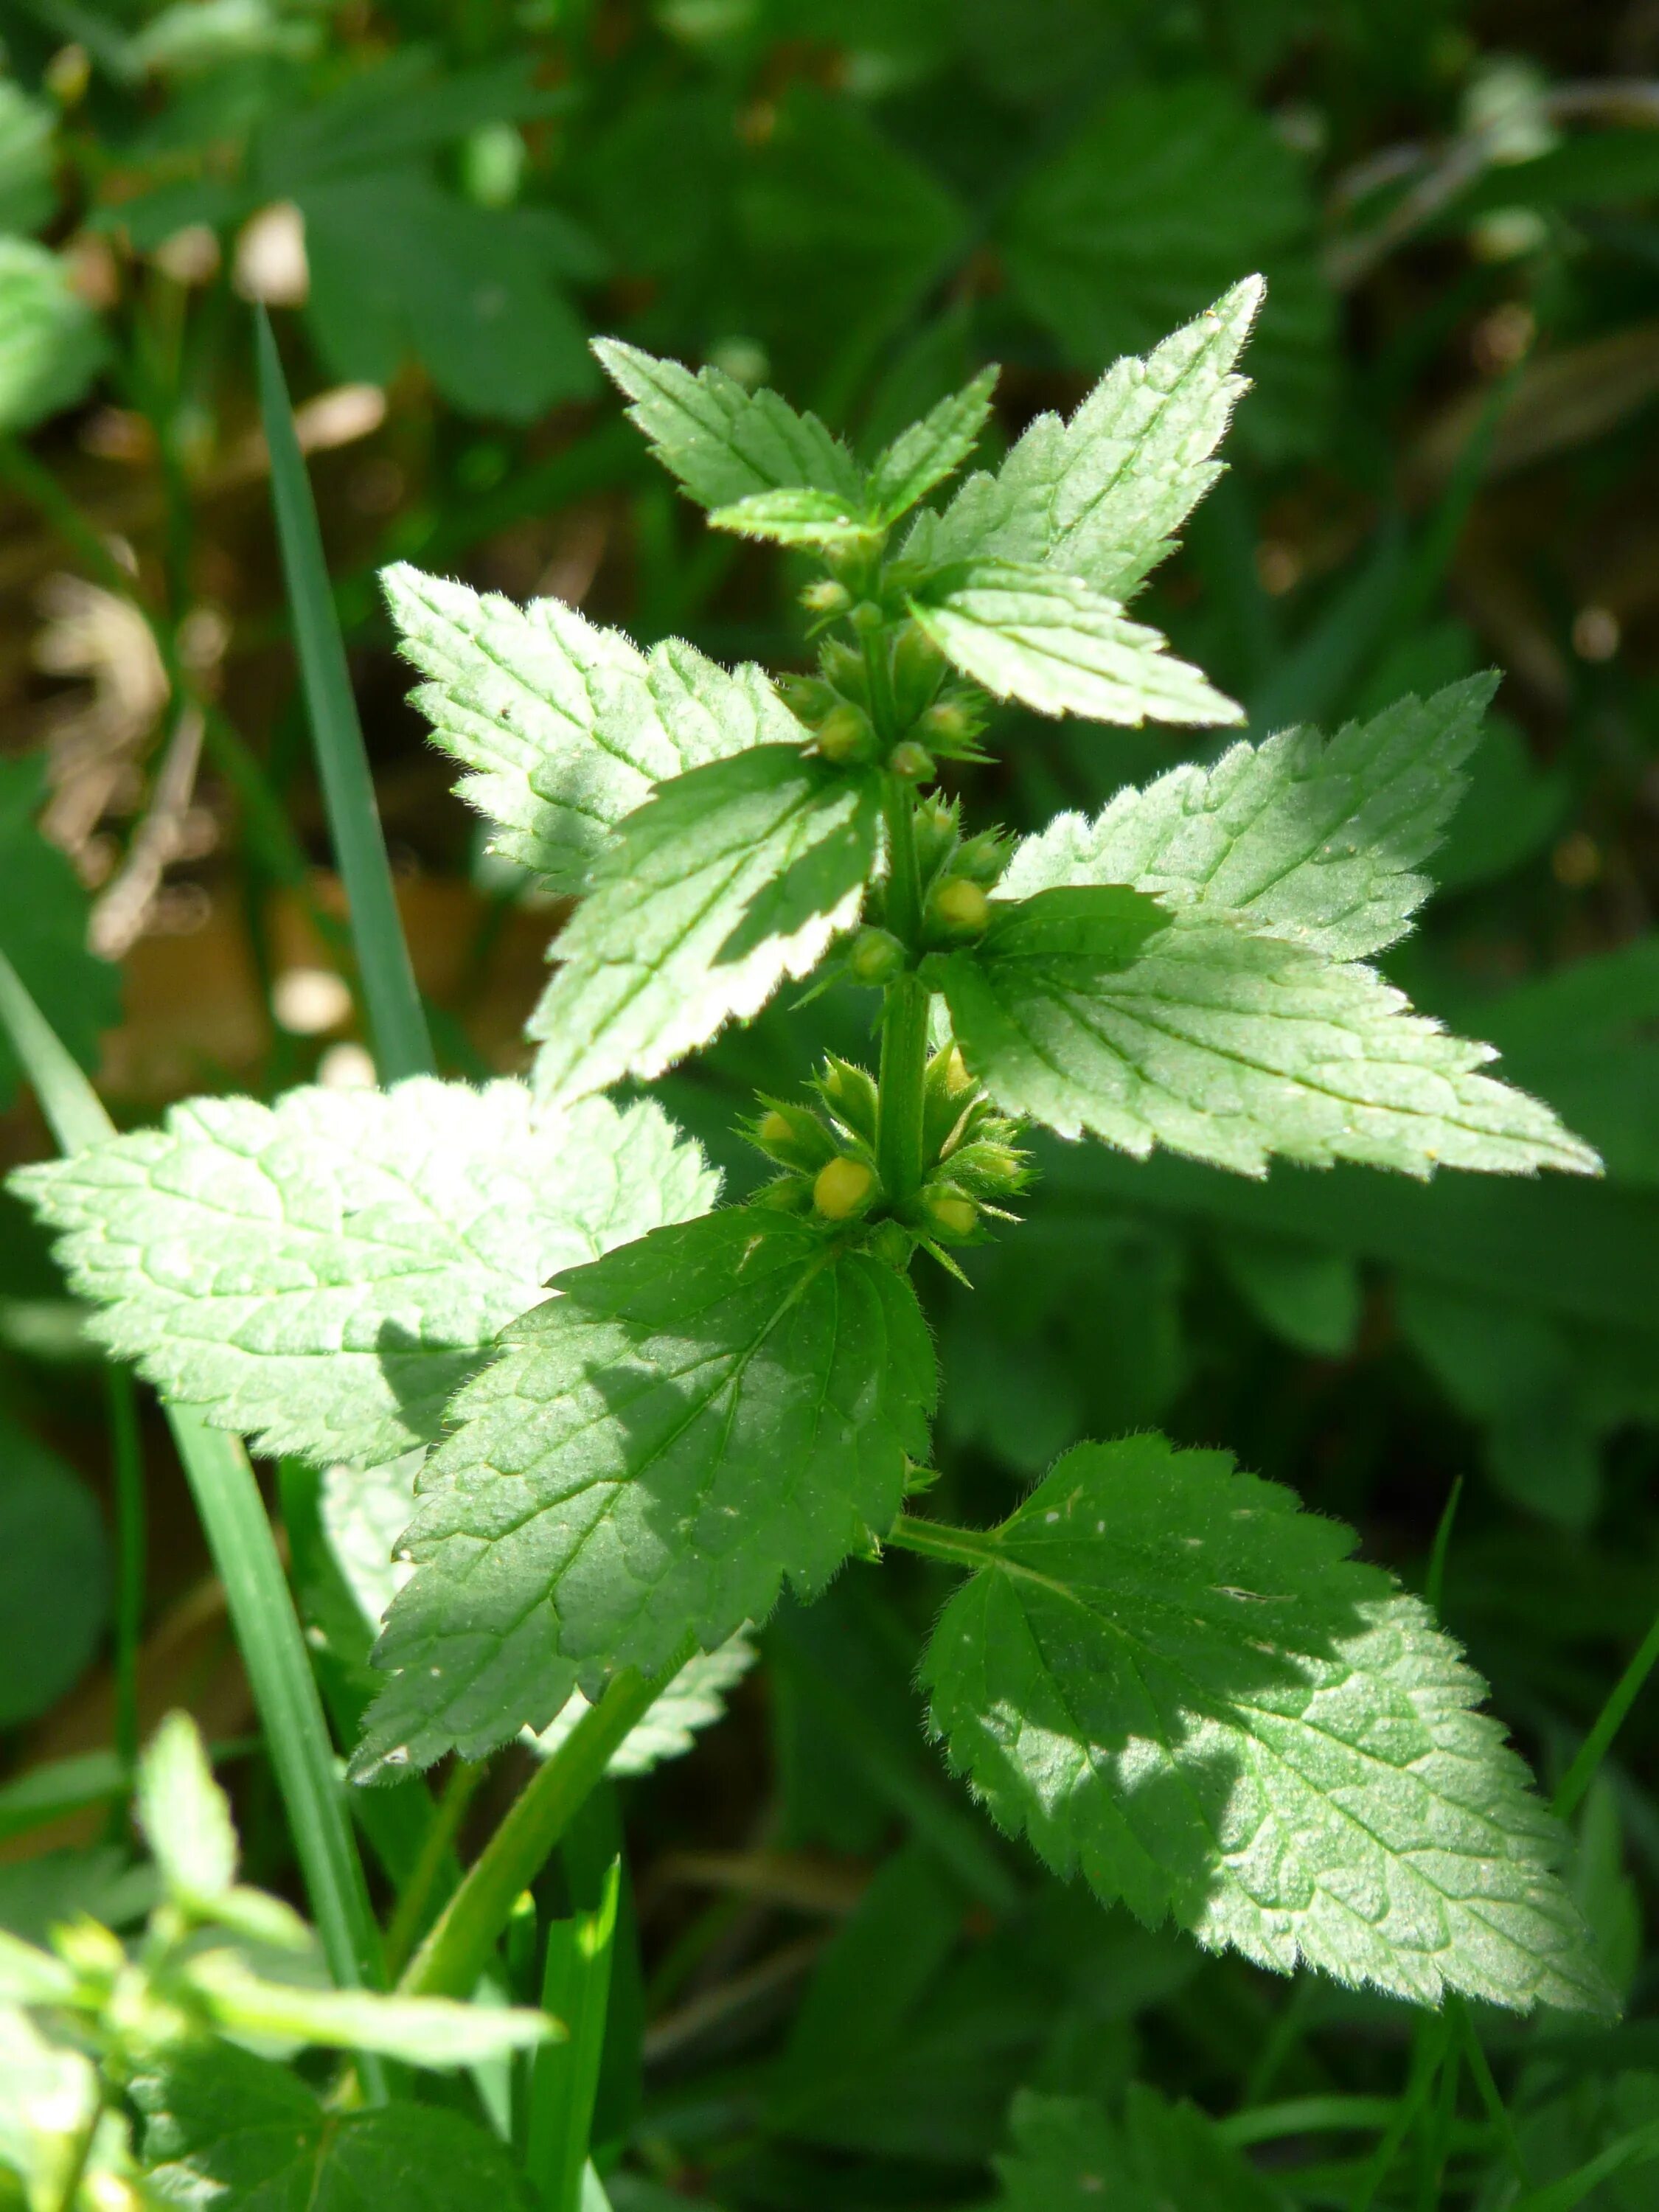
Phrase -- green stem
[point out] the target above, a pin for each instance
(1595, 1748)
(428, 1874)
(244, 1555)
(904, 1026)
(936, 1540)
(403, 1045)
(127, 1453)
(457, 1949)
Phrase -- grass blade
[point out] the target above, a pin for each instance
(1595, 1748)
(243, 1551)
(396, 1018)
(127, 1455)
(576, 1990)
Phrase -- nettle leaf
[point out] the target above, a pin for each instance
(567, 728)
(1033, 634)
(731, 879)
(1100, 497)
(1231, 1047)
(184, 1815)
(1313, 842)
(1174, 1680)
(223, 2126)
(798, 518)
(931, 450)
(1069, 2157)
(695, 1418)
(694, 1700)
(321, 1274)
(726, 444)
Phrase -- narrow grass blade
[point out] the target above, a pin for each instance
(397, 1020)
(126, 1452)
(1596, 1745)
(576, 1990)
(244, 1552)
(1637, 2149)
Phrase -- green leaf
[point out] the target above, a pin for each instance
(1033, 634)
(733, 877)
(321, 1274)
(1069, 2157)
(566, 727)
(435, 2032)
(1174, 1680)
(694, 1700)
(723, 443)
(800, 518)
(51, 344)
(28, 194)
(43, 920)
(1231, 1047)
(931, 450)
(224, 2127)
(697, 1417)
(1314, 841)
(54, 1576)
(1151, 210)
(29, 1977)
(184, 1815)
(1100, 497)
(48, 2098)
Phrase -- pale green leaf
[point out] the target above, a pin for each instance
(321, 1274)
(1311, 840)
(184, 1815)
(43, 922)
(1068, 2156)
(800, 518)
(1231, 1048)
(1101, 496)
(723, 443)
(566, 728)
(436, 2031)
(931, 450)
(30, 1976)
(1177, 1683)
(1033, 634)
(27, 192)
(51, 344)
(49, 2095)
(224, 2128)
(732, 878)
(1161, 200)
(695, 1699)
(696, 1417)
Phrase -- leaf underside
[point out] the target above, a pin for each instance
(1175, 1682)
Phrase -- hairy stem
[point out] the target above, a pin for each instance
(937, 1539)
(904, 1016)
(456, 1951)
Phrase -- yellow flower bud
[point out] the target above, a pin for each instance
(960, 906)
(843, 1188)
(775, 1128)
(949, 1215)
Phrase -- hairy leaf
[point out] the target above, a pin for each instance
(1313, 842)
(321, 1274)
(1100, 497)
(1069, 2157)
(798, 518)
(931, 450)
(1032, 634)
(1231, 1047)
(224, 2127)
(732, 877)
(695, 1417)
(1174, 1680)
(184, 1815)
(723, 443)
(566, 728)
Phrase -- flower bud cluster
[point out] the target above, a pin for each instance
(939, 720)
(973, 1162)
(827, 1150)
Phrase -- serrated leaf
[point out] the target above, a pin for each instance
(184, 1815)
(1159, 201)
(1311, 840)
(733, 877)
(43, 922)
(566, 727)
(1069, 2157)
(436, 2031)
(697, 1417)
(52, 343)
(1175, 1682)
(800, 518)
(1100, 497)
(723, 443)
(321, 1274)
(1231, 1048)
(1033, 634)
(931, 450)
(224, 2127)
(694, 1700)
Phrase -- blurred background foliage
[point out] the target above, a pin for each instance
(1448, 461)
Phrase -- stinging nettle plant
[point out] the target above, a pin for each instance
(637, 1414)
